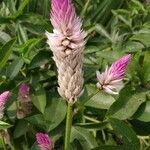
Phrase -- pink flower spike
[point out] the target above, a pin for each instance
(67, 36)
(44, 141)
(111, 80)
(24, 90)
(3, 99)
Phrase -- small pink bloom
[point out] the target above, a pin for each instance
(24, 90)
(44, 141)
(3, 99)
(111, 80)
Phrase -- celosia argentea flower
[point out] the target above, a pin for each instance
(111, 80)
(67, 44)
(24, 90)
(44, 141)
(24, 101)
(3, 99)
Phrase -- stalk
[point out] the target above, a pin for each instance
(3, 142)
(68, 127)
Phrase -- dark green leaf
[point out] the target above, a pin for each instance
(85, 137)
(129, 136)
(39, 100)
(5, 52)
(40, 59)
(55, 112)
(96, 99)
(20, 128)
(14, 68)
(127, 104)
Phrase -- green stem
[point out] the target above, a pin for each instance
(68, 127)
(3, 142)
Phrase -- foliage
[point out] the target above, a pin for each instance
(101, 121)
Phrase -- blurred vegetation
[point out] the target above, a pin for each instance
(101, 121)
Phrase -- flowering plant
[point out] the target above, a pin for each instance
(74, 74)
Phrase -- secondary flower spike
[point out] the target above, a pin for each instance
(67, 44)
(44, 142)
(111, 80)
(3, 99)
(25, 105)
(24, 90)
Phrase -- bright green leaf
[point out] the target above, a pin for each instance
(96, 99)
(84, 136)
(127, 104)
(55, 112)
(4, 125)
(39, 100)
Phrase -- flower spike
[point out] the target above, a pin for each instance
(111, 80)
(67, 44)
(3, 99)
(44, 141)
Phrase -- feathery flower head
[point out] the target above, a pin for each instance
(44, 141)
(67, 44)
(111, 80)
(24, 90)
(67, 36)
(3, 99)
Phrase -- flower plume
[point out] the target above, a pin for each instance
(44, 141)
(24, 90)
(25, 107)
(3, 99)
(67, 44)
(111, 80)
(67, 35)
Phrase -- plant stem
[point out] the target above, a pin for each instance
(68, 127)
(3, 142)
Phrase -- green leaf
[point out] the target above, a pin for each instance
(95, 126)
(101, 30)
(127, 104)
(39, 100)
(23, 4)
(146, 69)
(113, 55)
(38, 20)
(84, 136)
(35, 147)
(4, 125)
(39, 121)
(28, 46)
(20, 128)
(122, 18)
(109, 147)
(4, 20)
(14, 68)
(40, 59)
(96, 99)
(55, 112)
(4, 37)
(129, 136)
(144, 113)
(144, 38)
(5, 52)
